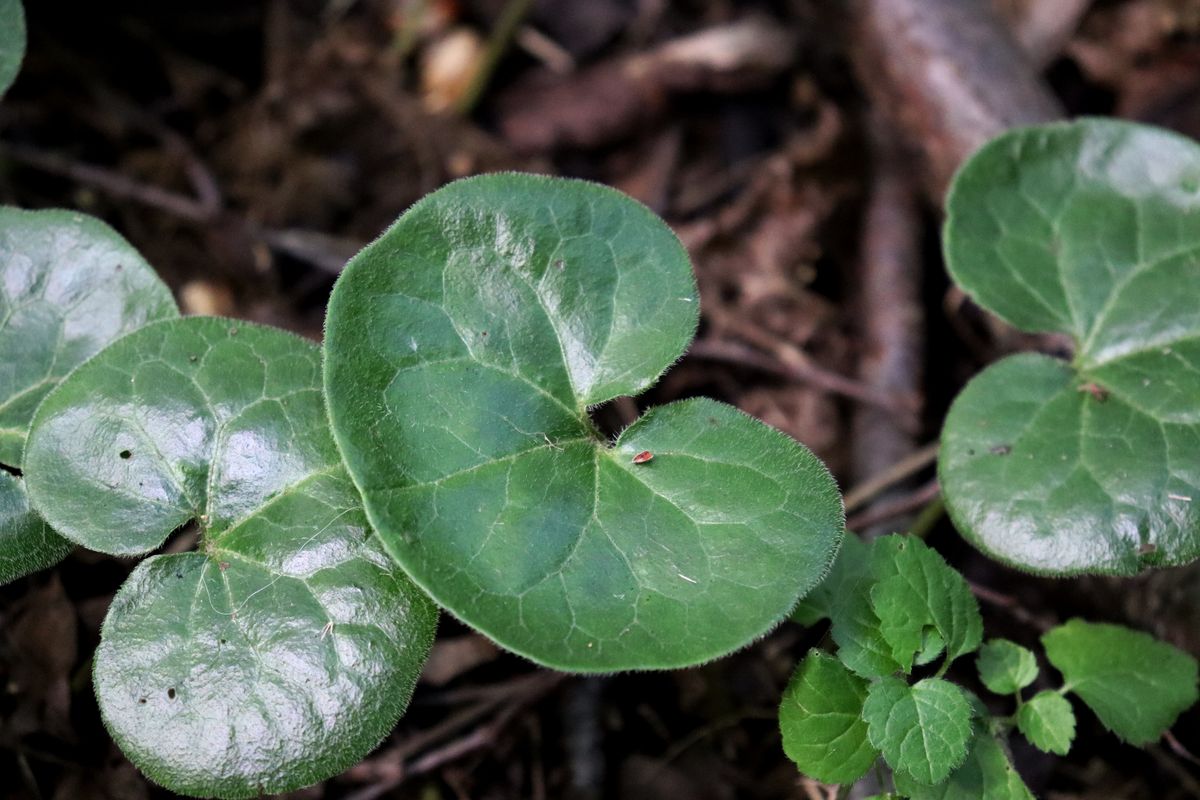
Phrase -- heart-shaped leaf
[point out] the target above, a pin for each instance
(69, 285)
(463, 350)
(287, 646)
(1136, 684)
(12, 41)
(820, 718)
(1091, 229)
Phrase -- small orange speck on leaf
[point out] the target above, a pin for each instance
(643, 457)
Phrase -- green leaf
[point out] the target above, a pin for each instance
(853, 560)
(1006, 667)
(287, 646)
(821, 721)
(12, 41)
(987, 774)
(844, 596)
(923, 730)
(69, 285)
(1136, 684)
(464, 348)
(1048, 722)
(1091, 229)
(919, 591)
(26, 542)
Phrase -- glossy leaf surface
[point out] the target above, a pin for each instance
(69, 285)
(286, 647)
(1048, 722)
(1006, 667)
(987, 774)
(1091, 229)
(820, 718)
(12, 41)
(1136, 684)
(923, 730)
(463, 350)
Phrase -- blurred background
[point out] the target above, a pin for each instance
(799, 148)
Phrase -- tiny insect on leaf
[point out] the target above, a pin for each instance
(643, 457)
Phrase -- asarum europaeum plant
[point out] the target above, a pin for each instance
(463, 350)
(69, 285)
(1090, 229)
(441, 447)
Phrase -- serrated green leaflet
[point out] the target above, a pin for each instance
(1006, 667)
(287, 646)
(1091, 229)
(12, 41)
(463, 349)
(1048, 722)
(820, 718)
(844, 596)
(852, 560)
(1136, 684)
(917, 591)
(987, 774)
(922, 730)
(69, 285)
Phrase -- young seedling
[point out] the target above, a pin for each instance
(463, 351)
(287, 644)
(1090, 229)
(69, 285)
(896, 605)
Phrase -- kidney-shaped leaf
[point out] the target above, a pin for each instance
(287, 646)
(463, 350)
(69, 285)
(1091, 229)
(12, 41)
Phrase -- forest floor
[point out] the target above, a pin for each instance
(249, 147)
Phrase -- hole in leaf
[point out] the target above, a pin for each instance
(141, 701)
(11, 470)
(125, 454)
(171, 693)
